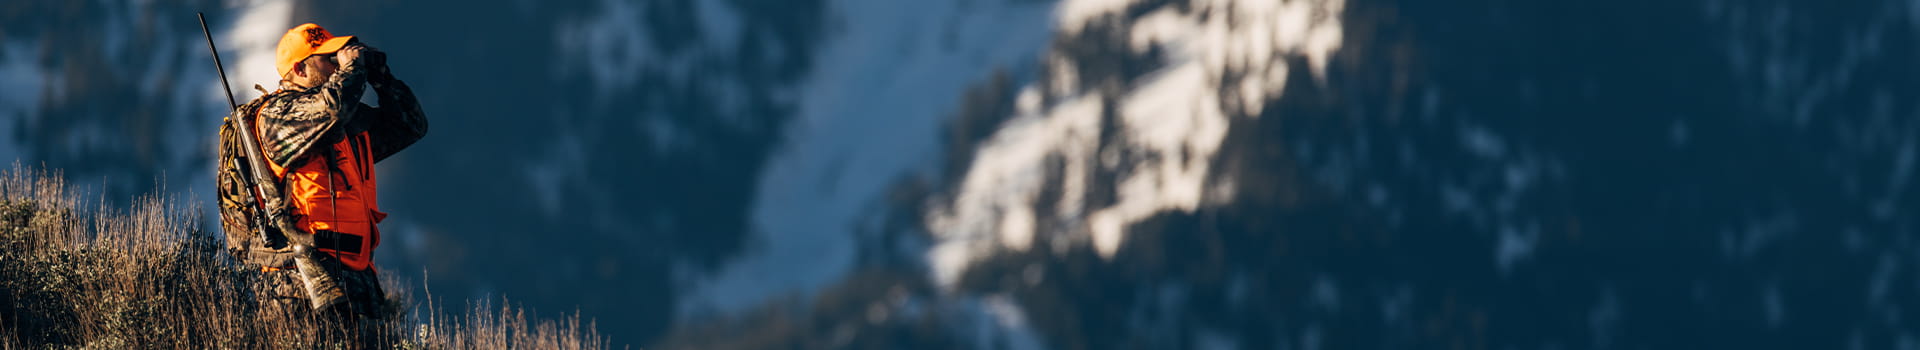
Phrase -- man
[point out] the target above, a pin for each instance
(321, 144)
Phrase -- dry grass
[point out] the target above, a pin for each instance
(148, 276)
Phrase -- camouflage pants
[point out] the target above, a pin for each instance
(360, 317)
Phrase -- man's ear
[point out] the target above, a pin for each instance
(300, 69)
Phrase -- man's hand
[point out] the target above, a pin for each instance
(347, 55)
(375, 60)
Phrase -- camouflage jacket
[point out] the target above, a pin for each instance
(296, 123)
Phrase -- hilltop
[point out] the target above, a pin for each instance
(80, 275)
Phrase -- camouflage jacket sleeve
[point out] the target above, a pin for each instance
(299, 121)
(397, 123)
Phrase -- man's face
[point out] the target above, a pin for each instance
(318, 69)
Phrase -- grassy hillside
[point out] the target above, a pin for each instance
(79, 275)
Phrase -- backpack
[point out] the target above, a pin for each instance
(239, 210)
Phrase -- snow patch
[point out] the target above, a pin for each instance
(869, 115)
(1008, 174)
(1482, 142)
(247, 47)
(1326, 294)
(719, 24)
(1514, 245)
(1016, 231)
(1175, 116)
(1773, 306)
(999, 320)
(565, 162)
(611, 47)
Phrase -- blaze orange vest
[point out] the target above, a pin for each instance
(333, 195)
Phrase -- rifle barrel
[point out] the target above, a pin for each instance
(216, 61)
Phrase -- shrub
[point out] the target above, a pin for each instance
(148, 276)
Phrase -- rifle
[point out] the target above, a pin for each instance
(322, 290)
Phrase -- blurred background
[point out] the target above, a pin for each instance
(1218, 174)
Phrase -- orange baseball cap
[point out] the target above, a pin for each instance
(305, 40)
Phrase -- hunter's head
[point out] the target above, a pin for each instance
(305, 55)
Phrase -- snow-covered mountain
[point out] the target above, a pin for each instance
(1360, 174)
